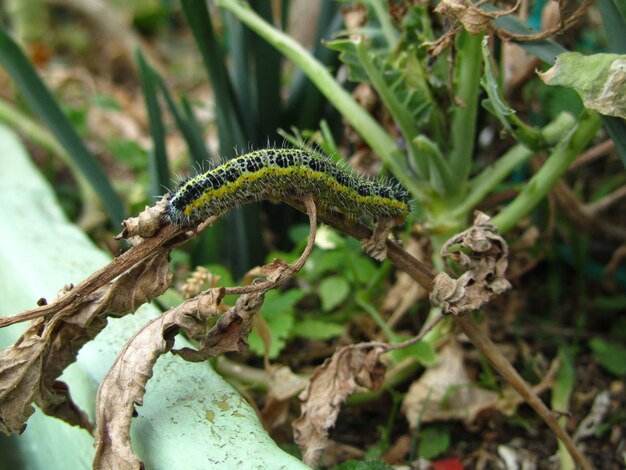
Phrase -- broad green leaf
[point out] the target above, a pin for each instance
(317, 329)
(40, 251)
(599, 79)
(363, 268)
(611, 356)
(278, 312)
(333, 291)
(434, 441)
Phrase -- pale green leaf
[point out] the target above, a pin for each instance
(317, 329)
(333, 291)
(599, 79)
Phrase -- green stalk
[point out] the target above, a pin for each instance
(558, 162)
(376, 137)
(391, 36)
(485, 182)
(374, 315)
(467, 90)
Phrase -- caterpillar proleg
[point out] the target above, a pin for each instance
(281, 175)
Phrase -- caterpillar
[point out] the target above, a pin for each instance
(280, 175)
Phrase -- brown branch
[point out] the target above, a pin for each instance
(593, 154)
(482, 342)
(559, 29)
(167, 238)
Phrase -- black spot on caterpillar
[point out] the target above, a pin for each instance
(282, 175)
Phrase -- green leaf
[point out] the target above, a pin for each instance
(46, 107)
(496, 105)
(363, 268)
(40, 251)
(317, 329)
(609, 355)
(277, 302)
(323, 262)
(333, 291)
(278, 312)
(422, 351)
(599, 79)
(434, 441)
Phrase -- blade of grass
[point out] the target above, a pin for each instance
(185, 122)
(267, 73)
(229, 122)
(157, 157)
(561, 394)
(242, 224)
(47, 109)
(305, 103)
(197, 147)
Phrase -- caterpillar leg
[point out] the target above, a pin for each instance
(376, 245)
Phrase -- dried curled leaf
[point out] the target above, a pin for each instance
(283, 386)
(124, 384)
(483, 254)
(29, 369)
(473, 19)
(146, 224)
(330, 386)
(445, 392)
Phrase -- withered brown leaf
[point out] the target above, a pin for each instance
(30, 368)
(330, 386)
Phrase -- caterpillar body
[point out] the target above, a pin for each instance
(282, 175)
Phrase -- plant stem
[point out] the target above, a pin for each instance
(482, 342)
(376, 137)
(467, 90)
(558, 162)
(486, 181)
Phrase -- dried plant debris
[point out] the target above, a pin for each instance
(330, 386)
(483, 256)
(29, 369)
(124, 385)
(283, 385)
(445, 392)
